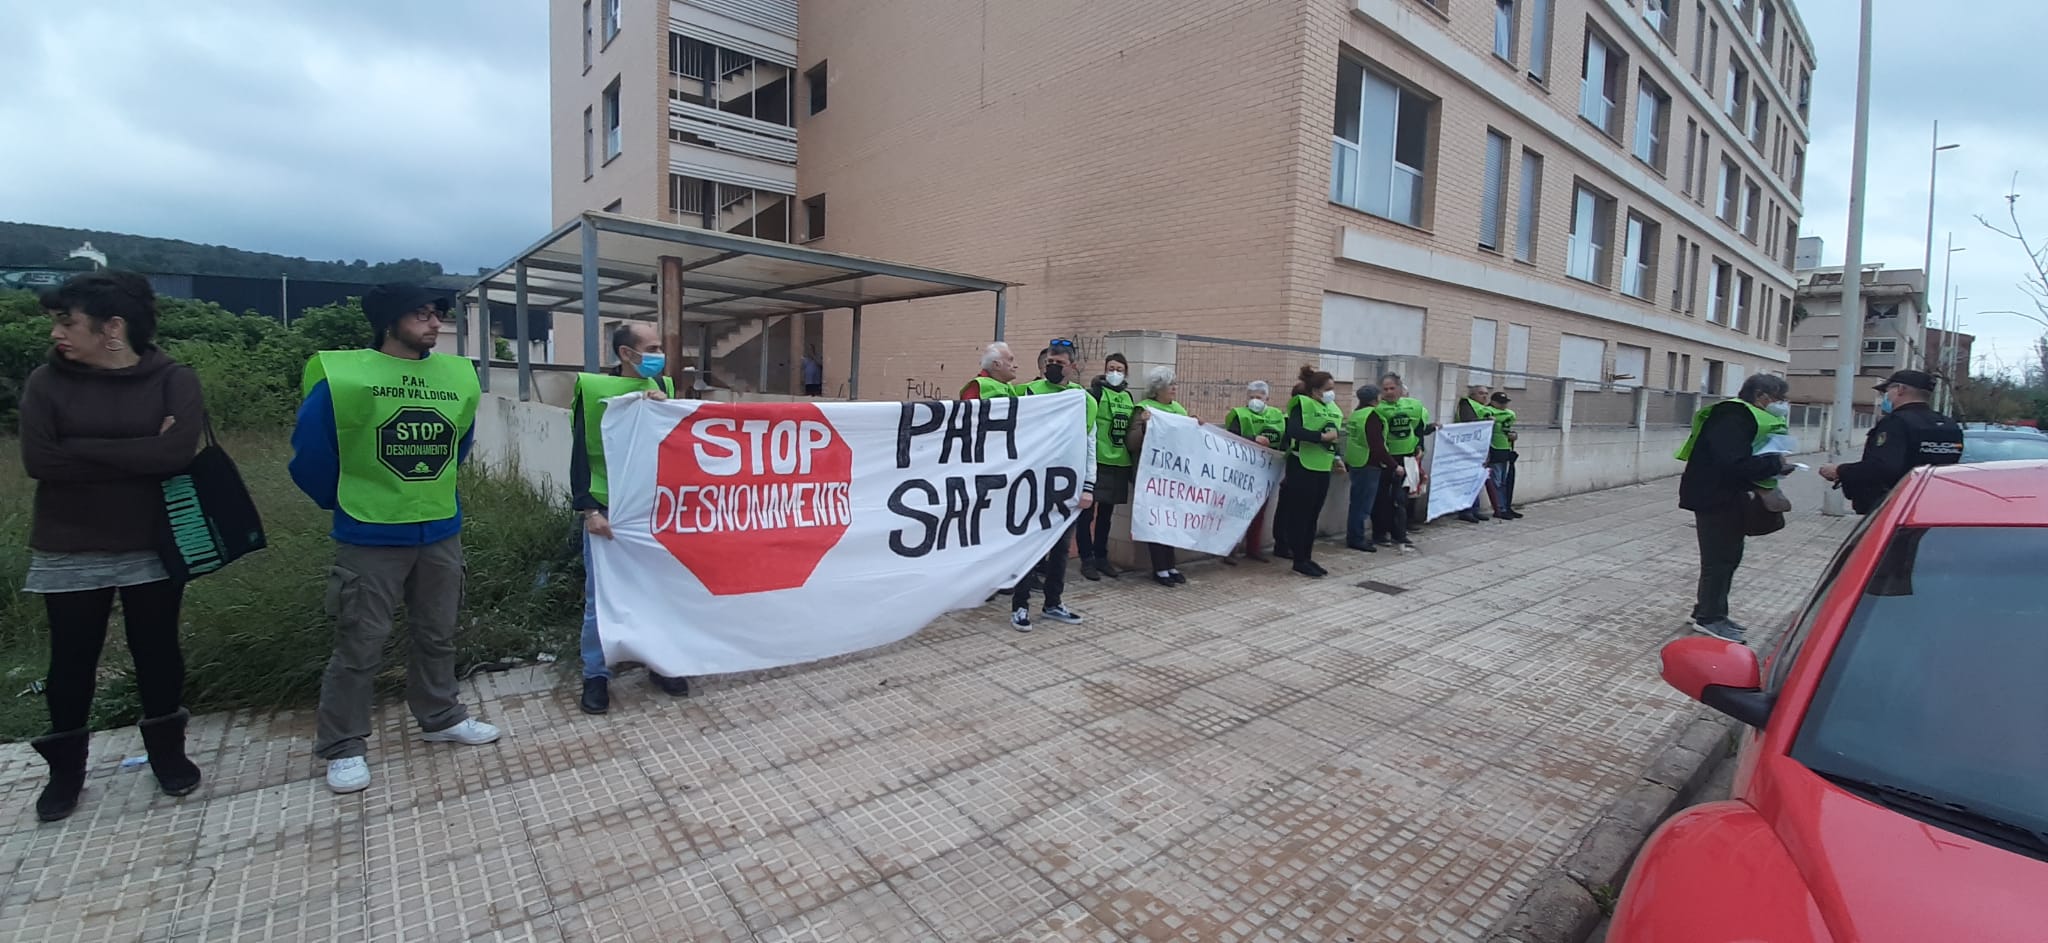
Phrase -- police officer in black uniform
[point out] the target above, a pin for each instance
(1911, 434)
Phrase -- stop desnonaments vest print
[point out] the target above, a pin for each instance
(754, 535)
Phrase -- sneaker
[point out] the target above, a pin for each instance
(348, 774)
(1363, 546)
(1089, 571)
(1164, 578)
(1063, 614)
(1407, 547)
(1107, 568)
(471, 732)
(1308, 569)
(1020, 619)
(1178, 578)
(1722, 629)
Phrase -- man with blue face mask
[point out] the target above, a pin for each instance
(1910, 435)
(1726, 458)
(639, 370)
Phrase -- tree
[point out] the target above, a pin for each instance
(335, 327)
(2033, 280)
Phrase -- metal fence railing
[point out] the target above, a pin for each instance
(1211, 373)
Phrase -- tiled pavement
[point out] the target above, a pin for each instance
(1251, 757)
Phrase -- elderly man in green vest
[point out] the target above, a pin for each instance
(1725, 459)
(379, 440)
(639, 371)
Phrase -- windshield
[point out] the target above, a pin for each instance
(2003, 448)
(1937, 685)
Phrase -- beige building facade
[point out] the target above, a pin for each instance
(1600, 189)
(1895, 332)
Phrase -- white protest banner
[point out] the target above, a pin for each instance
(1457, 466)
(1197, 486)
(753, 535)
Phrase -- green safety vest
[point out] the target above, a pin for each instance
(592, 389)
(1113, 423)
(1503, 423)
(1357, 450)
(1174, 408)
(1316, 416)
(991, 388)
(1404, 418)
(1767, 425)
(1042, 386)
(1268, 422)
(399, 425)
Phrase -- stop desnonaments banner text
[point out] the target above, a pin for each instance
(1198, 487)
(753, 535)
(1457, 466)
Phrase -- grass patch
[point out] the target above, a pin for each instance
(257, 635)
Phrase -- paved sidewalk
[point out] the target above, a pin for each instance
(1253, 756)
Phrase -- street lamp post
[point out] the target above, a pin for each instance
(1947, 331)
(1852, 273)
(1933, 168)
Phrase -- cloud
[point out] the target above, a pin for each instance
(1974, 67)
(379, 129)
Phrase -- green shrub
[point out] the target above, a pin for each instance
(255, 634)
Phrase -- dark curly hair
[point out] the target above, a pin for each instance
(103, 296)
(1310, 380)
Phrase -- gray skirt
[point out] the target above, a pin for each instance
(50, 573)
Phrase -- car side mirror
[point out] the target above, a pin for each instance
(1721, 674)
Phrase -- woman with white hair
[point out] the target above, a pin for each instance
(1262, 424)
(1159, 396)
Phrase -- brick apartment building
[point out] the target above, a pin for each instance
(1588, 188)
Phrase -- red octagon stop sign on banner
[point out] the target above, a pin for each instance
(751, 496)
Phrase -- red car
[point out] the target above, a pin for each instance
(1893, 782)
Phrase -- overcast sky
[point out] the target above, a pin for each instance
(383, 129)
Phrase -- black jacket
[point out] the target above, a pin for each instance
(1912, 436)
(1723, 466)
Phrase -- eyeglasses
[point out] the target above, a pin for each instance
(424, 315)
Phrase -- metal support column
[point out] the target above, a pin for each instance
(593, 347)
(1846, 378)
(483, 327)
(1002, 311)
(462, 326)
(523, 356)
(704, 359)
(853, 361)
(761, 380)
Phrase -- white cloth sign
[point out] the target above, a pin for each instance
(1197, 486)
(1457, 466)
(753, 535)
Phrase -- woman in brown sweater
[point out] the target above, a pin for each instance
(102, 424)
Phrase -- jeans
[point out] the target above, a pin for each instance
(1504, 476)
(78, 633)
(1051, 571)
(593, 647)
(1720, 535)
(1365, 490)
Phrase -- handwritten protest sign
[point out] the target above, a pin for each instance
(1197, 486)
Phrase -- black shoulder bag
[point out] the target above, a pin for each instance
(209, 519)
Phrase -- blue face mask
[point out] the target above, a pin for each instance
(651, 365)
(1884, 403)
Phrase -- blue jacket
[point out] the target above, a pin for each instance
(316, 469)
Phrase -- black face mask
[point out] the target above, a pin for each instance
(1056, 372)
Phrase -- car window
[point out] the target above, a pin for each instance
(1794, 641)
(1936, 688)
(2003, 448)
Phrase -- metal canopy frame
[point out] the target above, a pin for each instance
(609, 267)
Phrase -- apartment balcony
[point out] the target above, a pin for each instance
(698, 125)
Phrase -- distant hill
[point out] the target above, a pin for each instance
(25, 245)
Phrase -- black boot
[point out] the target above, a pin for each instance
(597, 696)
(673, 687)
(164, 739)
(65, 753)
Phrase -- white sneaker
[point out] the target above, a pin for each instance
(348, 774)
(471, 732)
(1020, 619)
